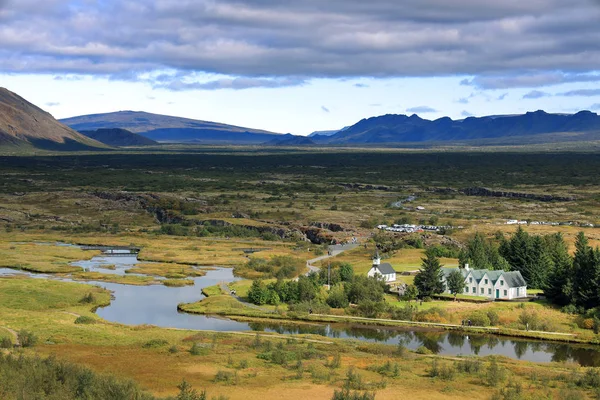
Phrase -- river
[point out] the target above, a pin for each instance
(157, 305)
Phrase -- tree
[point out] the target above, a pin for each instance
(456, 282)
(586, 273)
(258, 293)
(411, 293)
(429, 279)
(186, 392)
(559, 286)
(365, 288)
(346, 272)
(337, 297)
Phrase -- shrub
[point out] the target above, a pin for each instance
(173, 349)
(6, 343)
(229, 378)
(197, 350)
(88, 299)
(469, 366)
(423, 350)
(154, 343)
(495, 374)
(27, 339)
(444, 372)
(336, 362)
(529, 319)
(479, 318)
(83, 319)
(434, 314)
(493, 317)
(347, 394)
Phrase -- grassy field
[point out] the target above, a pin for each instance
(202, 206)
(241, 366)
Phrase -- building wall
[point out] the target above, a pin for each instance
(488, 289)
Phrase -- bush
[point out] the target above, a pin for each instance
(444, 372)
(229, 378)
(154, 343)
(83, 319)
(495, 374)
(88, 299)
(479, 318)
(337, 297)
(197, 350)
(6, 343)
(27, 339)
(493, 317)
(468, 366)
(423, 350)
(529, 319)
(173, 349)
(347, 394)
(434, 314)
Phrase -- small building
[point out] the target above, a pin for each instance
(384, 270)
(497, 284)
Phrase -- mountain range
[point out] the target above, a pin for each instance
(393, 128)
(168, 129)
(23, 124)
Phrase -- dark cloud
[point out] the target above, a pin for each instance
(536, 94)
(325, 109)
(421, 110)
(581, 92)
(502, 44)
(502, 96)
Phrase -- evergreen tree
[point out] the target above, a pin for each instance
(429, 279)
(559, 287)
(586, 273)
(456, 283)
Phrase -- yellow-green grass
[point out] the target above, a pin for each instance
(403, 260)
(178, 282)
(167, 270)
(135, 280)
(212, 291)
(227, 305)
(48, 309)
(40, 258)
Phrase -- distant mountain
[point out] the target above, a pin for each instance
(118, 137)
(291, 140)
(327, 133)
(26, 125)
(164, 128)
(410, 129)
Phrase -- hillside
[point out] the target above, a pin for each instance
(291, 140)
(119, 137)
(164, 128)
(514, 128)
(23, 124)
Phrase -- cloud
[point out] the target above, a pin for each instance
(325, 109)
(595, 106)
(512, 43)
(375, 105)
(361, 85)
(177, 83)
(52, 104)
(466, 114)
(421, 110)
(463, 100)
(581, 92)
(502, 96)
(529, 80)
(536, 94)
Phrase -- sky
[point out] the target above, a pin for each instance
(305, 65)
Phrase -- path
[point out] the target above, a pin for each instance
(334, 251)
(14, 333)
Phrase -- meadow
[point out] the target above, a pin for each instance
(208, 206)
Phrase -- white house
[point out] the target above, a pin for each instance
(492, 284)
(384, 270)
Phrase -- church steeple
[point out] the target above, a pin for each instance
(376, 258)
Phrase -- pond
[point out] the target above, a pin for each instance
(157, 305)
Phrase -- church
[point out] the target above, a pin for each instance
(384, 270)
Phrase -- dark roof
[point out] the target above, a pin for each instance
(385, 269)
(512, 278)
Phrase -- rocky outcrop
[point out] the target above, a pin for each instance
(484, 192)
(329, 226)
(317, 235)
(359, 186)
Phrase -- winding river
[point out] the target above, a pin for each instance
(157, 305)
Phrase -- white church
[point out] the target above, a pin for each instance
(384, 270)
